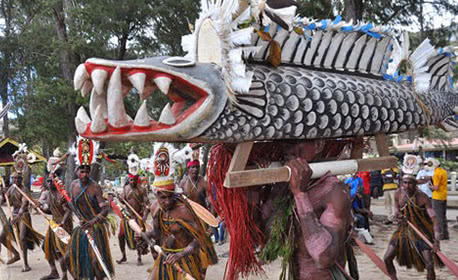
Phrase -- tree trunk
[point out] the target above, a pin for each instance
(354, 10)
(67, 68)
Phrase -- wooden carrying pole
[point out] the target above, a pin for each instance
(449, 263)
(245, 178)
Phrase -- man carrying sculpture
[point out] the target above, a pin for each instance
(22, 221)
(310, 220)
(56, 205)
(413, 207)
(137, 198)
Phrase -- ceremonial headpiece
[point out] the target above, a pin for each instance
(162, 168)
(133, 161)
(22, 157)
(410, 166)
(86, 151)
(192, 163)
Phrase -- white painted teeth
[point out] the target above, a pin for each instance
(167, 116)
(81, 75)
(81, 120)
(163, 83)
(87, 86)
(98, 78)
(142, 118)
(138, 81)
(98, 124)
(117, 116)
(97, 100)
(82, 115)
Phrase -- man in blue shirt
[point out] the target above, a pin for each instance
(354, 183)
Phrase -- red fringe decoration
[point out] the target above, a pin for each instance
(233, 206)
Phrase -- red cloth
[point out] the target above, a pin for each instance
(38, 182)
(366, 177)
(193, 163)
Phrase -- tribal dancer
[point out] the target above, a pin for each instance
(54, 248)
(194, 185)
(22, 221)
(414, 206)
(137, 197)
(87, 200)
(177, 228)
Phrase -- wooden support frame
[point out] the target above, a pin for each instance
(239, 159)
(237, 176)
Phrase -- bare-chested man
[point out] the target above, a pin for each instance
(137, 197)
(316, 212)
(410, 250)
(56, 205)
(193, 185)
(323, 210)
(22, 221)
(92, 209)
(182, 237)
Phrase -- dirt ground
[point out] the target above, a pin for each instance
(130, 270)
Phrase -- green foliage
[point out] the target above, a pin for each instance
(449, 165)
(281, 241)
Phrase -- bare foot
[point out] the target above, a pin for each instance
(139, 262)
(53, 275)
(13, 260)
(122, 260)
(27, 268)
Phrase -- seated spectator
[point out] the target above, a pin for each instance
(360, 211)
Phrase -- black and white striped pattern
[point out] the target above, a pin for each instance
(439, 66)
(341, 51)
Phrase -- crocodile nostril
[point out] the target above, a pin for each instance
(178, 61)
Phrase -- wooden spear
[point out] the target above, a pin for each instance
(448, 262)
(148, 227)
(186, 275)
(374, 258)
(60, 232)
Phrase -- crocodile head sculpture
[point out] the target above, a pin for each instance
(331, 80)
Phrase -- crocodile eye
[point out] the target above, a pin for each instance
(178, 61)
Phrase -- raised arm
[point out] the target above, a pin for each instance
(321, 235)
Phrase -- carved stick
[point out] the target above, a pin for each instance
(254, 177)
(148, 227)
(60, 232)
(374, 258)
(448, 262)
(186, 275)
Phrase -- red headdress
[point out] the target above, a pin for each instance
(192, 163)
(163, 171)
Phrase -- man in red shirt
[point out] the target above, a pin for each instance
(366, 177)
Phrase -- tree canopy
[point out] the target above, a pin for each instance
(43, 41)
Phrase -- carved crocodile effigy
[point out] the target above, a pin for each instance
(254, 71)
(332, 81)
